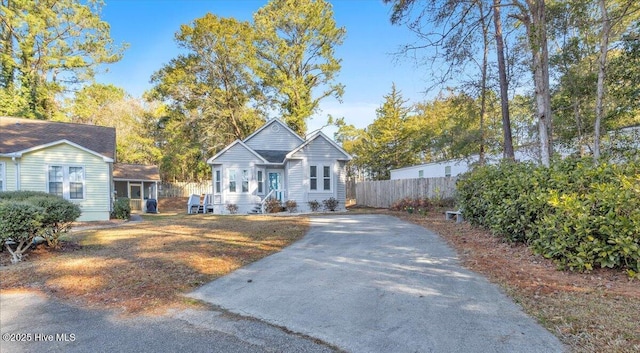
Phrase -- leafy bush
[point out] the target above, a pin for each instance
(232, 208)
(578, 213)
(121, 208)
(314, 205)
(273, 206)
(57, 216)
(330, 204)
(20, 223)
(292, 206)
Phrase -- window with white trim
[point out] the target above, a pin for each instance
(232, 180)
(320, 182)
(260, 180)
(218, 181)
(66, 181)
(245, 180)
(313, 177)
(2, 177)
(326, 177)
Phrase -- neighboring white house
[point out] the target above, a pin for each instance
(628, 137)
(452, 167)
(274, 162)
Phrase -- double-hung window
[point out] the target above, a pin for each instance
(320, 178)
(245, 180)
(218, 181)
(66, 181)
(260, 180)
(232, 180)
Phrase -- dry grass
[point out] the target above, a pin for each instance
(145, 267)
(594, 312)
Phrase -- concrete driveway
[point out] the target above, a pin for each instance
(373, 283)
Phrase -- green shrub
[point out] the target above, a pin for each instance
(273, 206)
(20, 223)
(121, 208)
(292, 206)
(57, 217)
(578, 213)
(314, 205)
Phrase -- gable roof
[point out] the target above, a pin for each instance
(20, 135)
(269, 123)
(135, 172)
(314, 136)
(236, 142)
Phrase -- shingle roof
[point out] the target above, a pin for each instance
(273, 156)
(18, 134)
(135, 172)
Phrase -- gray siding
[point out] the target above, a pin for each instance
(298, 186)
(238, 158)
(268, 139)
(319, 149)
(237, 155)
(341, 184)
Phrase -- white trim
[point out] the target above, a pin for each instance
(320, 177)
(50, 144)
(267, 124)
(3, 176)
(210, 160)
(66, 182)
(315, 136)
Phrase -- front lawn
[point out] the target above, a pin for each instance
(147, 266)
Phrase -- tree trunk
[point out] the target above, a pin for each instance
(536, 31)
(602, 63)
(508, 152)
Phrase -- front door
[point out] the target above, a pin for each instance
(274, 184)
(135, 196)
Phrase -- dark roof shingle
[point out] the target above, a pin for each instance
(135, 172)
(18, 134)
(273, 156)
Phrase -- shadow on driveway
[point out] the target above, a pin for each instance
(373, 283)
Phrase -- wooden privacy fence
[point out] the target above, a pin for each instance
(184, 189)
(384, 193)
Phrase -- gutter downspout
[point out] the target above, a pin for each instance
(17, 167)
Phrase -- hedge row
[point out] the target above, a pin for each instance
(578, 213)
(25, 215)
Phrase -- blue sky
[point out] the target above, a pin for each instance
(368, 64)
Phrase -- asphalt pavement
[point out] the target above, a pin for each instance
(374, 283)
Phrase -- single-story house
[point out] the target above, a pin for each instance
(275, 162)
(74, 161)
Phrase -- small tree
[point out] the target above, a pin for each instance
(20, 223)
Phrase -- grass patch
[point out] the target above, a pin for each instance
(589, 312)
(146, 267)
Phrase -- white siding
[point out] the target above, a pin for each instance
(268, 139)
(97, 202)
(341, 184)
